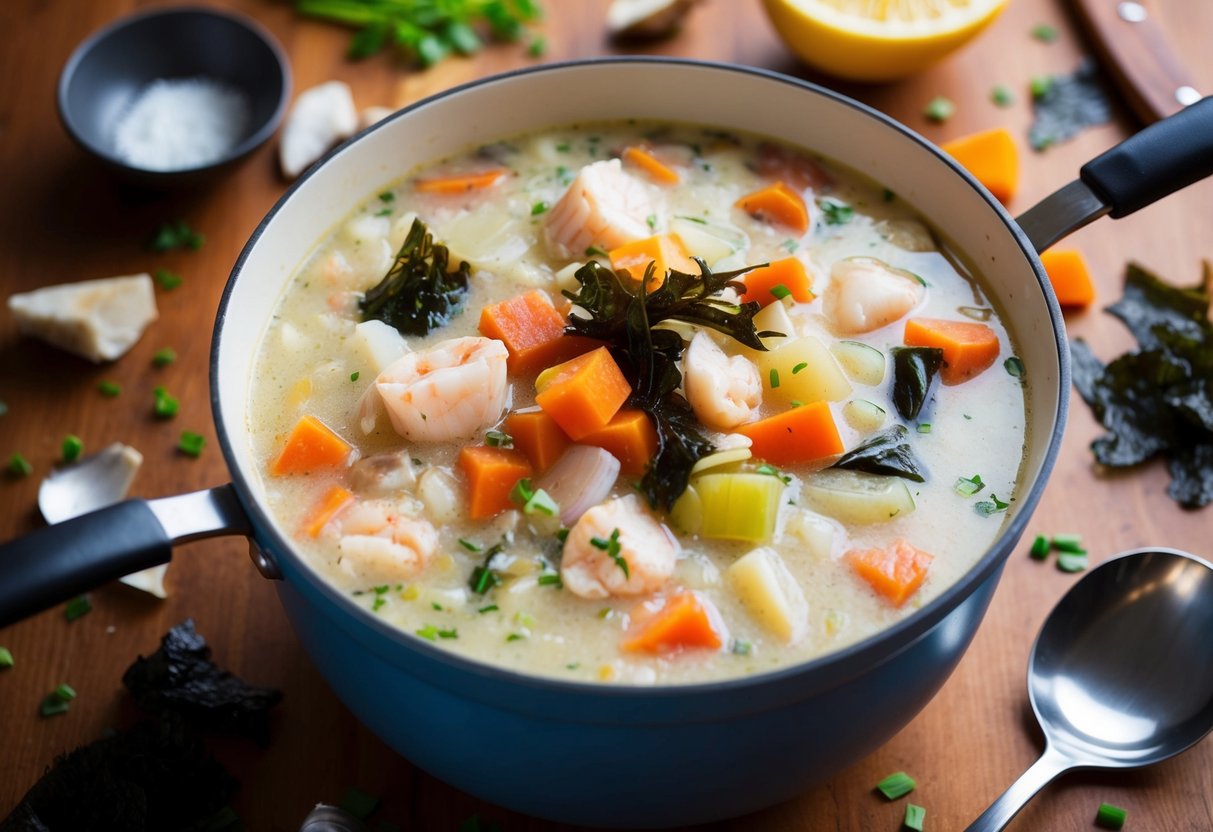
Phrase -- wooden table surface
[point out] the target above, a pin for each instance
(62, 219)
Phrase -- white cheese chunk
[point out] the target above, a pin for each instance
(321, 117)
(96, 319)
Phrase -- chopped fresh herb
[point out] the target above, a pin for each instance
(887, 453)
(537, 47)
(992, 506)
(1002, 96)
(1040, 85)
(772, 471)
(515, 637)
(57, 701)
(378, 603)
(551, 579)
(1044, 33)
(483, 578)
(164, 356)
(924, 427)
(939, 109)
(612, 547)
(429, 631)
(419, 292)
(191, 443)
(6, 658)
(470, 545)
(489, 608)
(18, 466)
(688, 218)
(898, 784)
(651, 221)
(355, 375)
(968, 486)
(498, 439)
(797, 403)
(109, 389)
(176, 234)
(1069, 543)
(533, 500)
(563, 147)
(381, 590)
(167, 280)
(72, 448)
(387, 196)
(77, 607)
(538, 208)
(595, 251)
(780, 291)
(563, 176)
(1040, 548)
(741, 647)
(1072, 561)
(914, 817)
(836, 212)
(358, 803)
(915, 371)
(774, 378)
(802, 365)
(435, 605)
(1110, 817)
(790, 245)
(605, 613)
(1014, 366)
(164, 405)
(384, 212)
(451, 633)
(562, 535)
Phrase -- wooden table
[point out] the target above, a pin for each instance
(62, 219)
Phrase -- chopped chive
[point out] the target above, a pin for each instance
(164, 357)
(836, 211)
(429, 631)
(354, 375)
(378, 603)
(6, 658)
(1002, 96)
(1044, 33)
(524, 619)
(1071, 543)
(384, 212)
(797, 403)
(538, 208)
(436, 605)
(537, 47)
(489, 608)
(167, 280)
(772, 471)
(1040, 86)
(924, 427)
(992, 506)
(470, 545)
(19, 466)
(57, 701)
(651, 221)
(605, 613)
(741, 647)
(1040, 548)
(689, 218)
(514, 637)
(799, 367)
(358, 803)
(1110, 817)
(165, 405)
(1072, 561)
(551, 579)
(72, 447)
(533, 500)
(780, 291)
(177, 234)
(451, 633)
(387, 196)
(914, 817)
(613, 548)
(191, 443)
(898, 784)
(109, 389)
(562, 535)
(498, 439)
(1014, 366)
(939, 109)
(595, 251)
(77, 607)
(968, 486)
(563, 147)
(774, 377)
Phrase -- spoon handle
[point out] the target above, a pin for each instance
(1021, 791)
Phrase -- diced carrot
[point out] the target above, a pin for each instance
(492, 474)
(1070, 277)
(802, 434)
(630, 437)
(991, 157)
(684, 621)
(462, 182)
(310, 445)
(894, 572)
(664, 251)
(533, 332)
(777, 203)
(781, 163)
(537, 435)
(584, 394)
(968, 348)
(657, 170)
(762, 284)
(335, 499)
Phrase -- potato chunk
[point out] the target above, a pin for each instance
(770, 593)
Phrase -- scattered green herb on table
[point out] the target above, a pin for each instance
(164, 356)
(6, 658)
(164, 404)
(1040, 547)
(18, 466)
(939, 109)
(174, 235)
(109, 389)
(190, 443)
(1044, 33)
(898, 784)
(915, 815)
(77, 607)
(71, 448)
(1002, 96)
(1110, 817)
(57, 701)
(168, 280)
(1072, 561)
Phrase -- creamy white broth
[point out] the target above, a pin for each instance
(309, 358)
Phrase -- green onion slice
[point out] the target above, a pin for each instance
(1040, 547)
(914, 817)
(898, 784)
(1110, 817)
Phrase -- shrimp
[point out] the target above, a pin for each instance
(724, 392)
(865, 294)
(449, 391)
(592, 567)
(603, 206)
(378, 542)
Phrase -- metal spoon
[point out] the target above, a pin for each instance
(1121, 674)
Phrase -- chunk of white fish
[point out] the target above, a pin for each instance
(320, 118)
(96, 319)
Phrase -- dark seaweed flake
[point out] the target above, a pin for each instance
(1070, 104)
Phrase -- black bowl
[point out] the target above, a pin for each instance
(106, 73)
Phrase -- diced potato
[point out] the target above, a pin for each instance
(862, 362)
(487, 237)
(774, 318)
(906, 233)
(565, 279)
(700, 241)
(816, 532)
(803, 371)
(770, 594)
(863, 415)
(377, 344)
(855, 497)
(739, 506)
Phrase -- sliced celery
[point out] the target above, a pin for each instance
(863, 415)
(687, 513)
(739, 506)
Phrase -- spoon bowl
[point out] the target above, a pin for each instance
(1121, 674)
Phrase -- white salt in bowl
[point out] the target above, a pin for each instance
(173, 97)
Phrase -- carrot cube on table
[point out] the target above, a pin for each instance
(1071, 279)
(992, 159)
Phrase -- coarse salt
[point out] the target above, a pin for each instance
(181, 123)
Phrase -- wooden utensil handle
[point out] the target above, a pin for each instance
(1139, 56)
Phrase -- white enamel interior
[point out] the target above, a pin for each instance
(691, 93)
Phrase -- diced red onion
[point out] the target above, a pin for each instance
(580, 480)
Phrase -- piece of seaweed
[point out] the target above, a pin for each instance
(1068, 104)
(180, 678)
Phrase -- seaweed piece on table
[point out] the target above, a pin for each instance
(1067, 104)
(180, 678)
(155, 777)
(1159, 398)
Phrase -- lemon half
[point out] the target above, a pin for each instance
(878, 40)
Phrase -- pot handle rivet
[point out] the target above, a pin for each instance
(263, 561)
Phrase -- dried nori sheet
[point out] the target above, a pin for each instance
(1071, 103)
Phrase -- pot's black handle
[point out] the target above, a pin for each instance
(61, 561)
(1160, 160)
